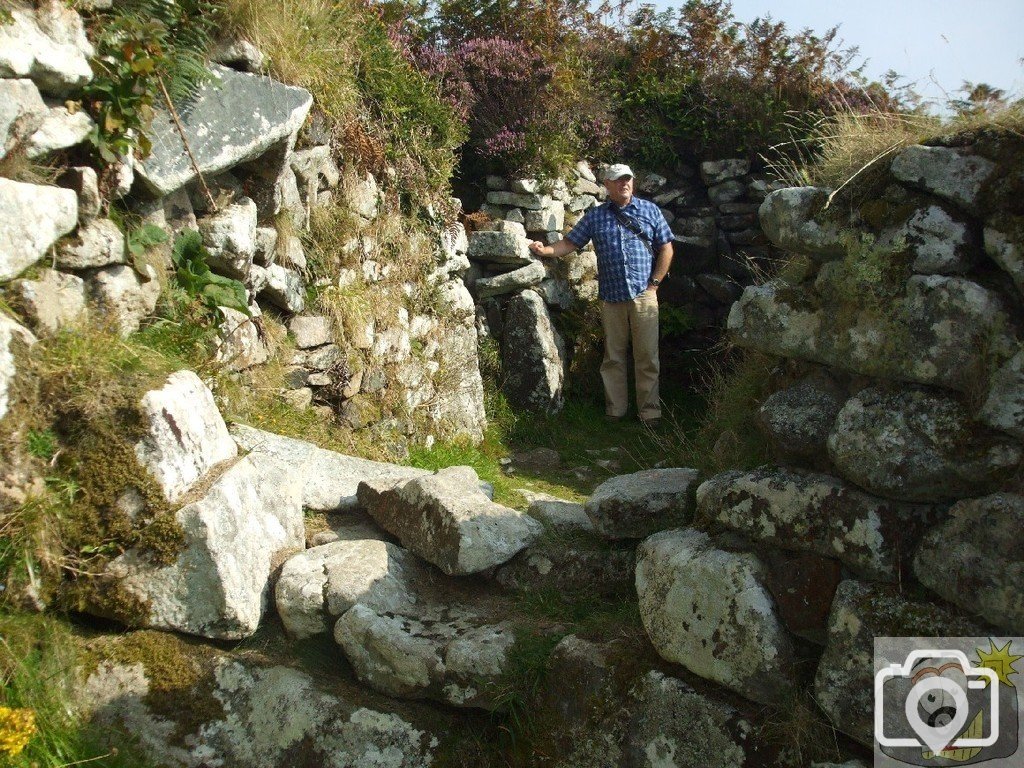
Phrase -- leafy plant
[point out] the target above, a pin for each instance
(140, 239)
(676, 321)
(194, 275)
(145, 47)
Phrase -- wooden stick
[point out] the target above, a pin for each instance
(188, 149)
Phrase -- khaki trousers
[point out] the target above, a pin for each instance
(635, 320)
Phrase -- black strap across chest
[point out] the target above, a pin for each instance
(629, 224)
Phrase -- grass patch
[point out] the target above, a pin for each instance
(727, 437)
(838, 149)
(37, 659)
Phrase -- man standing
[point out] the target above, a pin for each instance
(634, 252)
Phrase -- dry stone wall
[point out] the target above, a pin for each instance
(893, 421)
(717, 240)
(410, 367)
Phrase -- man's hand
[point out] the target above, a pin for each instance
(537, 248)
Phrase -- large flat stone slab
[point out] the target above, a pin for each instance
(329, 480)
(232, 120)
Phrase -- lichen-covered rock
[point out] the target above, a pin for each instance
(445, 653)
(97, 244)
(500, 247)
(843, 685)
(1003, 408)
(918, 445)
(557, 513)
(240, 344)
(285, 289)
(716, 171)
(22, 111)
(185, 435)
(1004, 243)
(124, 296)
(582, 565)
(230, 238)
(52, 301)
(532, 355)
(727, 192)
(510, 282)
(940, 333)
(955, 175)
(32, 217)
(60, 129)
(548, 219)
(673, 725)
(975, 559)
(529, 200)
(447, 520)
(46, 42)
(190, 706)
(797, 420)
(940, 242)
(232, 120)
(811, 512)
(320, 584)
(233, 536)
(459, 409)
(238, 54)
(709, 610)
(12, 337)
(639, 504)
(85, 183)
(787, 218)
(329, 480)
(363, 197)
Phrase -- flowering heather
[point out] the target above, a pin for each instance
(505, 143)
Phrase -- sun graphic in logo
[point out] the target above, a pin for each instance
(1000, 661)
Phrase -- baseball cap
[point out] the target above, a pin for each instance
(617, 171)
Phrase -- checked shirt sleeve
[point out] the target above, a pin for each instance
(582, 233)
(662, 233)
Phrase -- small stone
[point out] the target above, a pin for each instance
(636, 505)
(98, 244)
(310, 330)
(52, 301)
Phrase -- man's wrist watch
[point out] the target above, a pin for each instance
(654, 282)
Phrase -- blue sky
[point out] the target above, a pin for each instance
(937, 43)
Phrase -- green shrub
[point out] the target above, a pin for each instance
(194, 275)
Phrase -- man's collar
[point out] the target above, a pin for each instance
(632, 200)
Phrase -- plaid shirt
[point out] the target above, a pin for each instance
(623, 262)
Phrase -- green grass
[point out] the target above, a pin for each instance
(37, 658)
(582, 438)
